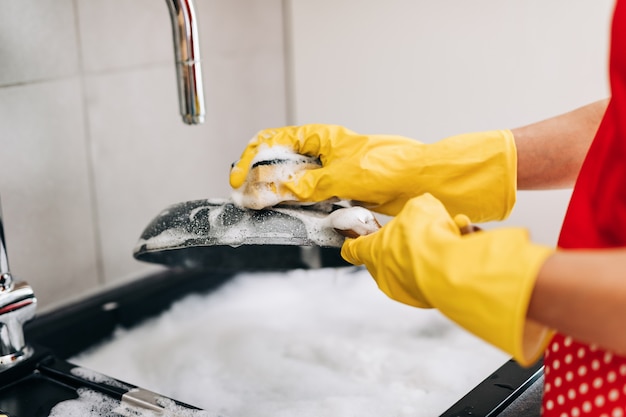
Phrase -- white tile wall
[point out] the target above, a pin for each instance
(39, 40)
(91, 143)
(49, 225)
(428, 70)
(117, 34)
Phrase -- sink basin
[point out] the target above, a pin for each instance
(35, 386)
(32, 393)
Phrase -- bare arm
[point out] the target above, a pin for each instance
(550, 152)
(582, 293)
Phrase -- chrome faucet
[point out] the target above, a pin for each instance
(17, 306)
(187, 55)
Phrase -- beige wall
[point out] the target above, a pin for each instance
(91, 143)
(430, 69)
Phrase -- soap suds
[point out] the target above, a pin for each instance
(88, 403)
(269, 170)
(353, 221)
(304, 343)
(295, 226)
(169, 238)
(92, 403)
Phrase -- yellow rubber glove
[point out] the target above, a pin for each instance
(474, 174)
(483, 281)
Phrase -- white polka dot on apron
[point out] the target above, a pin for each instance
(583, 388)
(595, 365)
(597, 383)
(581, 380)
(571, 393)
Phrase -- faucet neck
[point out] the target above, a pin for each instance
(187, 56)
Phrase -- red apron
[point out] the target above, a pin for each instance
(581, 379)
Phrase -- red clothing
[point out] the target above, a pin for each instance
(580, 379)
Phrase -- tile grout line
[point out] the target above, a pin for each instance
(288, 63)
(83, 73)
(89, 150)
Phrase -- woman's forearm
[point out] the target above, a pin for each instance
(582, 293)
(550, 153)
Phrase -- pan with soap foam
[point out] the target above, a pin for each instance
(217, 234)
(273, 231)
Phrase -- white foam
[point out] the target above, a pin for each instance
(260, 193)
(92, 403)
(303, 343)
(317, 224)
(88, 403)
(167, 239)
(268, 153)
(357, 219)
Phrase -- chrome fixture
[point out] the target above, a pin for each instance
(187, 55)
(17, 306)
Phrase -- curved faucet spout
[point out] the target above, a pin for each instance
(187, 55)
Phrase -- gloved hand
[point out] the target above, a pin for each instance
(483, 281)
(474, 174)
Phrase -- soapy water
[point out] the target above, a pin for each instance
(92, 403)
(303, 343)
(88, 403)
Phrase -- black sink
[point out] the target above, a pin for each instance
(36, 385)
(34, 395)
(28, 392)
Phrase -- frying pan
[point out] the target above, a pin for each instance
(217, 234)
